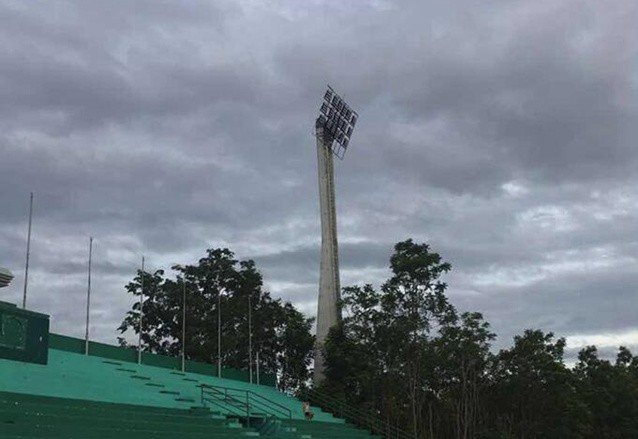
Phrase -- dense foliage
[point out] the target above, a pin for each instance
(281, 334)
(404, 353)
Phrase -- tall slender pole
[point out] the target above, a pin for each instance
(219, 333)
(250, 338)
(183, 325)
(26, 266)
(88, 299)
(328, 313)
(139, 335)
(257, 364)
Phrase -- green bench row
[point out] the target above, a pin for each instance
(36, 416)
(43, 417)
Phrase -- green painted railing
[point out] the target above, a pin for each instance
(243, 403)
(358, 417)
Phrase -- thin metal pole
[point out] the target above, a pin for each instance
(88, 299)
(250, 338)
(139, 337)
(26, 266)
(183, 324)
(219, 333)
(257, 365)
(248, 409)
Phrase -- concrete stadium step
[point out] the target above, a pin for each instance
(97, 419)
(117, 363)
(34, 420)
(140, 377)
(73, 432)
(39, 414)
(65, 406)
(18, 398)
(320, 430)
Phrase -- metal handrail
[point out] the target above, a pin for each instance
(360, 418)
(363, 419)
(247, 399)
(225, 406)
(281, 408)
(331, 400)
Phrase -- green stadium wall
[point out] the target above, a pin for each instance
(76, 345)
(24, 334)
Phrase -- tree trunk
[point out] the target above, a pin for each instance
(430, 419)
(414, 414)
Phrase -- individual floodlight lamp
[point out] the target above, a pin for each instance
(5, 277)
(338, 121)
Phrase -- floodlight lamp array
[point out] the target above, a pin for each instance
(5, 277)
(338, 121)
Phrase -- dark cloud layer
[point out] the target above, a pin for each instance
(503, 133)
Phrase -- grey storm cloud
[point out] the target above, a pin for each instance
(502, 133)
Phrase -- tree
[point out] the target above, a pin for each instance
(534, 392)
(462, 354)
(380, 356)
(281, 334)
(402, 352)
(610, 392)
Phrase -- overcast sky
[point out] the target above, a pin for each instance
(502, 133)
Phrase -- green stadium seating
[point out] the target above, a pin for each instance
(79, 396)
(36, 416)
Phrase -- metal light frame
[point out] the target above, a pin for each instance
(338, 121)
(5, 277)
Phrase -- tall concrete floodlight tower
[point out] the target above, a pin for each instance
(333, 129)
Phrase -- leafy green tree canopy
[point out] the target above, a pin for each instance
(281, 334)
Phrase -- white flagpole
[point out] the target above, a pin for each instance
(183, 324)
(88, 299)
(139, 338)
(26, 267)
(257, 365)
(219, 333)
(250, 338)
